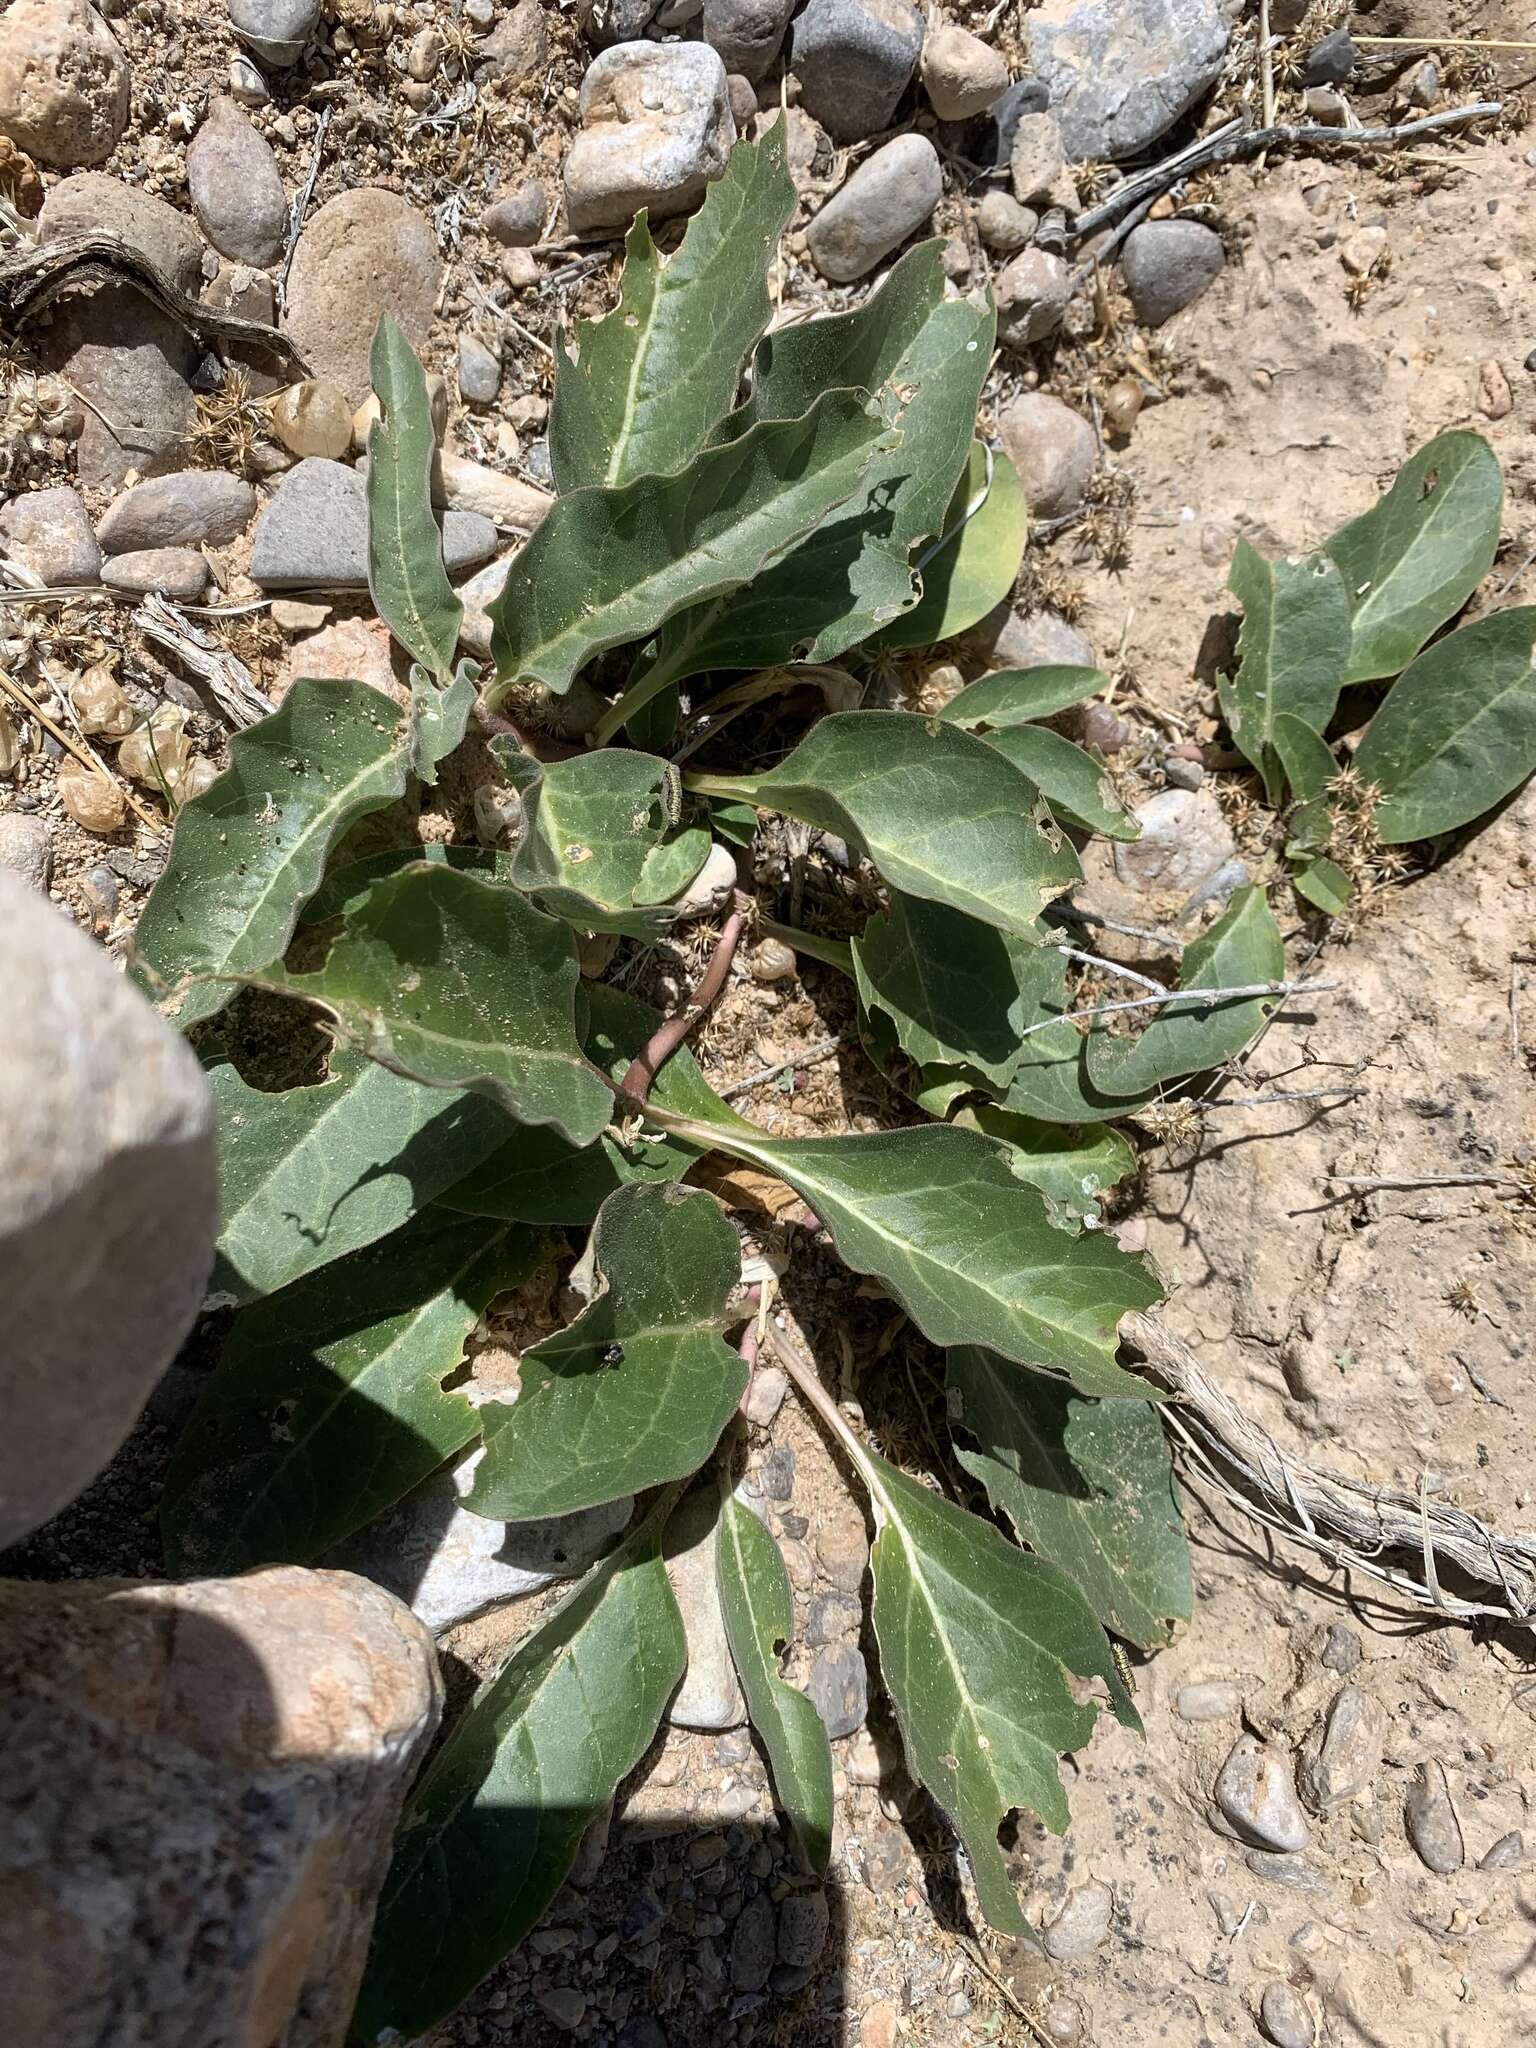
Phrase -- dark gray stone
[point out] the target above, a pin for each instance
(1341, 1650)
(1431, 1823)
(182, 510)
(854, 60)
(1284, 2018)
(776, 1474)
(236, 188)
(753, 1945)
(1167, 264)
(276, 30)
(803, 1922)
(747, 33)
(839, 1689)
(833, 1618)
(315, 531)
(1330, 62)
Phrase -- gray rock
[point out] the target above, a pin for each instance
(1295, 1873)
(1342, 1754)
(838, 1686)
(236, 188)
(246, 85)
(365, 252)
(1082, 1924)
(765, 1396)
(641, 2031)
(1284, 2018)
(776, 1474)
(276, 30)
(962, 76)
(516, 218)
(518, 47)
(1213, 1701)
(656, 129)
(804, 1919)
(1322, 104)
(709, 1696)
(180, 574)
(26, 849)
(202, 1782)
(606, 23)
(1003, 224)
(134, 366)
(1507, 1853)
(447, 1564)
(1424, 84)
(1257, 1795)
(753, 1944)
(1331, 61)
(1184, 841)
(1043, 640)
(994, 145)
(1341, 1651)
(182, 510)
(854, 60)
(1033, 293)
(1183, 774)
(1054, 451)
(49, 532)
(315, 531)
(64, 82)
(92, 203)
(888, 197)
(1120, 76)
(1167, 264)
(1430, 1819)
(842, 1551)
(833, 1618)
(108, 1205)
(747, 33)
(479, 371)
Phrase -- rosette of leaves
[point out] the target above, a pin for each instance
(480, 1091)
(1456, 731)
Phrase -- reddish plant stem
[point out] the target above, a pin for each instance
(664, 1041)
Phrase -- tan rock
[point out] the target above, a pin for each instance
(202, 1782)
(357, 648)
(961, 75)
(92, 203)
(313, 418)
(471, 487)
(64, 82)
(366, 252)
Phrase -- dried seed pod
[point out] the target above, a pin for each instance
(101, 704)
(772, 960)
(10, 746)
(192, 778)
(157, 751)
(1122, 402)
(93, 800)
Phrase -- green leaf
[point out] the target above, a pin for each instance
(1017, 696)
(978, 1643)
(1071, 1164)
(442, 715)
(942, 815)
(1292, 651)
(1414, 559)
(456, 983)
(967, 1249)
(410, 588)
(494, 1824)
(1458, 731)
(1086, 1484)
(345, 887)
(1325, 884)
(909, 345)
(1244, 946)
(1074, 782)
(657, 375)
(250, 850)
(328, 1405)
(307, 1176)
(637, 1391)
(759, 1615)
(610, 566)
(954, 989)
(538, 1177)
(597, 844)
(972, 566)
(1309, 770)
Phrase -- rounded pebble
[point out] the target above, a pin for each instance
(1429, 1816)
(1256, 1793)
(1284, 2018)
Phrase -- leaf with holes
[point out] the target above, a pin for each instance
(457, 983)
(978, 1646)
(249, 852)
(759, 1615)
(942, 815)
(655, 377)
(974, 562)
(492, 1828)
(638, 1389)
(598, 842)
(1293, 651)
(1086, 1484)
(328, 1404)
(1458, 731)
(1071, 1164)
(1414, 559)
(410, 588)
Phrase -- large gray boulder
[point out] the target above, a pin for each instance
(198, 1788)
(1121, 72)
(656, 129)
(109, 1202)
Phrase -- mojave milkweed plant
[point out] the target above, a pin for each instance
(737, 503)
